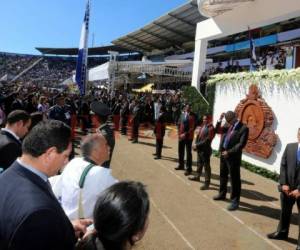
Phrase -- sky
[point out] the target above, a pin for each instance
(26, 24)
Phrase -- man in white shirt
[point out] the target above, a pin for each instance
(88, 170)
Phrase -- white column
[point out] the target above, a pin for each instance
(199, 61)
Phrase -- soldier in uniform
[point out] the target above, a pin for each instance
(205, 135)
(159, 131)
(136, 117)
(60, 111)
(103, 112)
(124, 112)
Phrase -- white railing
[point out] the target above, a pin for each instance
(159, 70)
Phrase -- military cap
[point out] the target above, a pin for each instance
(100, 108)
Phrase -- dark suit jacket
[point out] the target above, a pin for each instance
(288, 169)
(238, 139)
(203, 141)
(30, 216)
(10, 149)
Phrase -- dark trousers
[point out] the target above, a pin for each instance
(231, 165)
(185, 145)
(287, 204)
(123, 125)
(203, 160)
(84, 122)
(135, 131)
(159, 146)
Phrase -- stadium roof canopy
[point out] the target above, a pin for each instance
(171, 30)
(92, 51)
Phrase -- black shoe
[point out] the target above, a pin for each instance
(194, 178)
(204, 187)
(157, 158)
(298, 247)
(178, 168)
(279, 236)
(219, 197)
(134, 142)
(187, 172)
(154, 154)
(233, 206)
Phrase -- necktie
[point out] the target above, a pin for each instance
(227, 137)
(298, 156)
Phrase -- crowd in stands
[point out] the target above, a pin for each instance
(49, 71)
(14, 64)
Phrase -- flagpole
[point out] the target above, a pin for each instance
(81, 77)
(87, 50)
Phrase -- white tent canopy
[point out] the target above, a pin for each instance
(174, 68)
(99, 73)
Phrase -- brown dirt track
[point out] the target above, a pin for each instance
(183, 217)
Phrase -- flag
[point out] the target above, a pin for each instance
(252, 52)
(81, 67)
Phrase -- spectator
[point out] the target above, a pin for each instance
(17, 126)
(83, 179)
(121, 218)
(30, 216)
(36, 117)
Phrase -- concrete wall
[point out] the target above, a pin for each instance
(285, 103)
(247, 15)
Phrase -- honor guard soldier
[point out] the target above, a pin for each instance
(124, 113)
(135, 120)
(102, 112)
(159, 131)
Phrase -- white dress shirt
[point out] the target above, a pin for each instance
(66, 187)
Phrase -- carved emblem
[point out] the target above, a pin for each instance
(255, 112)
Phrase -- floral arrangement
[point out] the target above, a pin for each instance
(280, 77)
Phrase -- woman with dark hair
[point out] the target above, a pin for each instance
(121, 218)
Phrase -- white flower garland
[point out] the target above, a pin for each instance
(279, 77)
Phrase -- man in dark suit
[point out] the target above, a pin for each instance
(102, 112)
(289, 186)
(187, 122)
(17, 126)
(234, 139)
(31, 218)
(205, 135)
